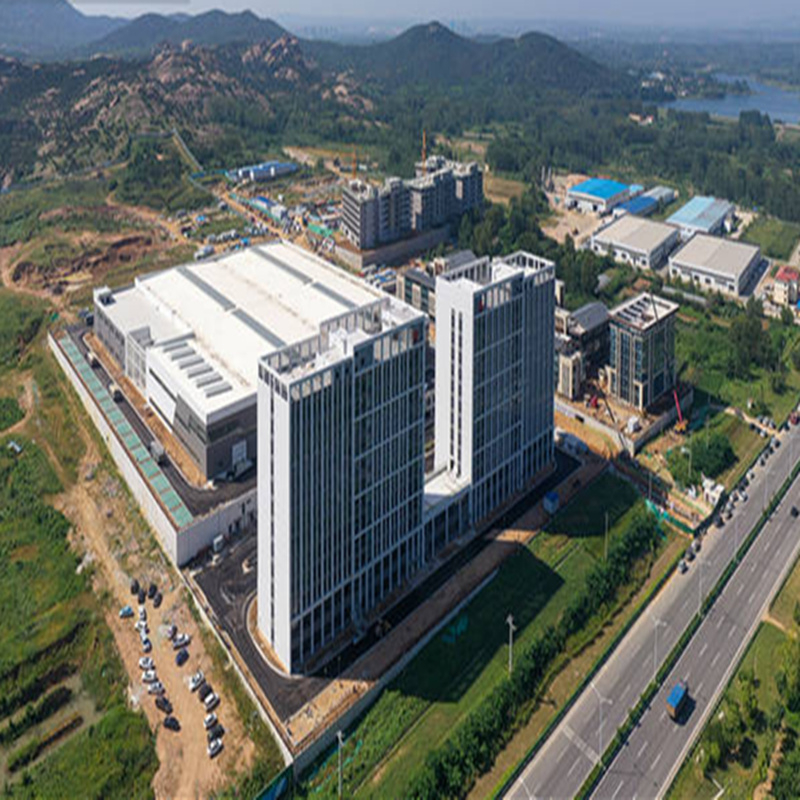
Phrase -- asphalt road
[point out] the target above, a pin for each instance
(564, 762)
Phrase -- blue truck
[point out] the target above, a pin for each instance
(676, 701)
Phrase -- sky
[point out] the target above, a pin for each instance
(676, 13)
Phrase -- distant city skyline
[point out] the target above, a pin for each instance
(679, 13)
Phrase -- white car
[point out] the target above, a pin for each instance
(197, 680)
(210, 721)
(141, 626)
(142, 614)
(149, 676)
(145, 662)
(155, 688)
(181, 640)
(214, 747)
(211, 702)
(146, 645)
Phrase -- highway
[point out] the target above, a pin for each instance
(645, 765)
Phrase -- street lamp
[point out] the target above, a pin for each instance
(600, 702)
(657, 623)
(511, 629)
(340, 738)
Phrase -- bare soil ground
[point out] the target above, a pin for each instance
(565, 223)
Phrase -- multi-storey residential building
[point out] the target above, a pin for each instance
(441, 190)
(642, 350)
(494, 375)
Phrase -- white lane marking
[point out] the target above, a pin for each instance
(573, 767)
(731, 631)
(739, 590)
(699, 687)
(663, 715)
(752, 597)
(642, 749)
(581, 745)
(720, 621)
(703, 649)
(715, 659)
(657, 759)
(619, 788)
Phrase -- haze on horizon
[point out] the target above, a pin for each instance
(676, 14)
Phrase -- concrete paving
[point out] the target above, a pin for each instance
(564, 762)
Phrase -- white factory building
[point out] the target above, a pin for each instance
(716, 265)
(639, 242)
(346, 516)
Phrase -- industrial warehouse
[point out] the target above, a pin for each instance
(636, 241)
(713, 264)
(703, 215)
(598, 195)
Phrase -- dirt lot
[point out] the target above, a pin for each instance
(565, 223)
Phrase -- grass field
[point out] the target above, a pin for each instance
(459, 667)
(701, 354)
(20, 321)
(776, 238)
(739, 777)
(501, 190)
(10, 412)
(746, 444)
(783, 607)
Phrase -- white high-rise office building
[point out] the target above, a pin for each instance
(494, 375)
(346, 517)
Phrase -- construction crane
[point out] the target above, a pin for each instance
(424, 151)
(682, 423)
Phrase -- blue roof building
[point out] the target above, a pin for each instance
(641, 206)
(597, 195)
(702, 215)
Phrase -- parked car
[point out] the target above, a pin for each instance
(690, 554)
(157, 600)
(172, 723)
(147, 645)
(211, 701)
(125, 612)
(210, 721)
(156, 688)
(682, 566)
(162, 704)
(181, 640)
(145, 662)
(217, 732)
(214, 748)
(794, 512)
(142, 613)
(172, 632)
(134, 586)
(197, 680)
(142, 596)
(151, 590)
(149, 676)
(697, 545)
(141, 627)
(182, 657)
(205, 691)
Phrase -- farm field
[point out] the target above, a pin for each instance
(469, 658)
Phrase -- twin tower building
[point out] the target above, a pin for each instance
(347, 516)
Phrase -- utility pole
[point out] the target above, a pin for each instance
(340, 737)
(657, 623)
(600, 702)
(511, 629)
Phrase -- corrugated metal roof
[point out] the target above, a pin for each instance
(601, 188)
(640, 206)
(701, 213)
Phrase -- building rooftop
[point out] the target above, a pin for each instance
(421, 277)
(663, 194)
(589, 317)
(635, 233)
(701, 213)
(601, 188)
(641, 205)
(720, 256)
(787, 274)
(212, 321)
(643, 311)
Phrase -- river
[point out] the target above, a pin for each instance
(779, 103)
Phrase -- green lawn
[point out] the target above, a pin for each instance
(741, 776)
(746, 444)
(783, 607)
(10, 412)
(461, 665)
(701, 353)
(776, 238)
(20, 320)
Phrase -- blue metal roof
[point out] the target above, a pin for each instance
(702, 213)
(600, 188)
(641, 206)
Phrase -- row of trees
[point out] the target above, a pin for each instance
(451, 769)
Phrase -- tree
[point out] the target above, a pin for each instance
(787, 316)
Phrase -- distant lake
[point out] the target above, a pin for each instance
(778, 103)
